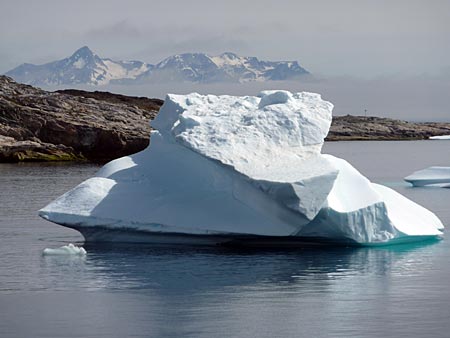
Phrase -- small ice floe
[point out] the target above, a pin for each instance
(440, 137)
(69, 249)
(432, 176)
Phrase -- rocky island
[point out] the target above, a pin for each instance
(38, 125)
(372, 128)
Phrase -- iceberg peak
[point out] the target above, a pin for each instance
(265, 136)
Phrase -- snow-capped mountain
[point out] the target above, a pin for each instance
(246, 69)
(229, 67)
(85, 67)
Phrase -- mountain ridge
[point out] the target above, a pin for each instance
(87, 68)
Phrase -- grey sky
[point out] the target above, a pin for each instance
(358, 38)
(388, 56)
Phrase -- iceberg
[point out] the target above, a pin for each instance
(226, 169)
(432, 176)
(440, 137)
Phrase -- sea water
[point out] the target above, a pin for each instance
(143, 291)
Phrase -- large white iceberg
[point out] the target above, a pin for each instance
(432, 176)
(225, 169)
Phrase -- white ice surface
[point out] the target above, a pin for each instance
(407, 216)
(367, 212)
(432, 176)
(229, 166)
(69, 249)
(268, 137)
(440, 137)
(173, 189)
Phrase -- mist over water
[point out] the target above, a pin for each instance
(411, 98)
(125, 290)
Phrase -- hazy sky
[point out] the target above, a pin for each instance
(389, 56)
(335, 37)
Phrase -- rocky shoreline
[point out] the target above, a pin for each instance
(371, 128)
(37, 125)
(75, 125)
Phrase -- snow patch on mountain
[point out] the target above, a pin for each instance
(80, 63)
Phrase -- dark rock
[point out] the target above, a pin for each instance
(40, 125)
(350, 127)
(151, 106)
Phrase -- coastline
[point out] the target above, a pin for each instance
(81, 126)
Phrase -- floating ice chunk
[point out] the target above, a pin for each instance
(440, 137)
(432, 176)
(221, 168)
(69, 249)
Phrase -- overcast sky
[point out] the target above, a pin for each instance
(335, 37)
(346, 38)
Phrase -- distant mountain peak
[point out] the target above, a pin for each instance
(86, 67)
(82, 67)
(85, 50)
(83, 57)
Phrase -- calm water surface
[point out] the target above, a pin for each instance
(141, 291)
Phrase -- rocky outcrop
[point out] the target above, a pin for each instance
(351, 127)
(37, 125)
(149, 106)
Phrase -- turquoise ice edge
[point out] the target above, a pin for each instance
(103, 234)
